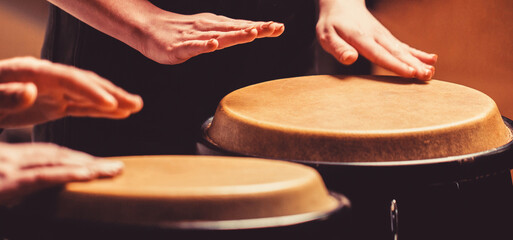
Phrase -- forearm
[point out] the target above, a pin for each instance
(125, 20)
(325, 5)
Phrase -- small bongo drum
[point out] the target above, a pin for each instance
(437, 151)
(193, 197)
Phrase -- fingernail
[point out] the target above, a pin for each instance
(434, 57)
(428, 74)
(347, 57)
(265, 25)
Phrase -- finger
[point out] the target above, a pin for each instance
(266, 29)
(128, 102)
(229, 24)
(100, 167)
(78, 83)
(43, 177)
(338, 48)
(29, 181)
(270, 29)
(379, 55)
(33, 155)
(17, 96)
(125, 100)
(53, 79)
(207, 35)
(401, 51)
(423, 56)
(238, 37)
(106, 168)
(192, 48)
(132, 103)
(279, 29)
(79, 111)
(225, 25)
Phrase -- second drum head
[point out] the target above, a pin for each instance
(201, 192)
(357, 119)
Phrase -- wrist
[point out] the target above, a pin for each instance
(139, 26)
(146, 29)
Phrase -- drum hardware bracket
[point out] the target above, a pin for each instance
(394, 218)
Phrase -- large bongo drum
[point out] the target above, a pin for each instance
(191, 197)
(437, 152)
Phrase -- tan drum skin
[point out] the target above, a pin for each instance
(167, 190)
(357, 119)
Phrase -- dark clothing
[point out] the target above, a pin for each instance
(178, 98)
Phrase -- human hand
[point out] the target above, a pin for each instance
(34, 91)
(30, 167)
(166, 37)
(175, 38)
(346, 27)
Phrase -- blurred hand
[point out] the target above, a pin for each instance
(34, 91)
(346, 28)
(175, 38)
(27, 168)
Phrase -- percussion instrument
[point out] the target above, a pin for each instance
(162, 197)
(437, 152)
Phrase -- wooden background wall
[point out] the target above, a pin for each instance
(474, 40)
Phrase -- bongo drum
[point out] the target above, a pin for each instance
(192, 197)
(422, 145)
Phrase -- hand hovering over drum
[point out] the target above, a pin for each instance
(33, 91)
(166, 37)
(27, 168)
(346, 28)
(176, 38)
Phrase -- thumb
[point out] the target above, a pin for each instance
(17, 96)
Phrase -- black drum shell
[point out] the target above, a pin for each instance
(459, 197)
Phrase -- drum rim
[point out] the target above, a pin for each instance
(343, 204)
(257, 223)
(205, 140)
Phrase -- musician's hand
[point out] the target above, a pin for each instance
(34, 91)
(346, 28)
(175, 38)
(29, 167)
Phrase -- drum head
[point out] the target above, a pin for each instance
(357, 119)
(201, 192)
